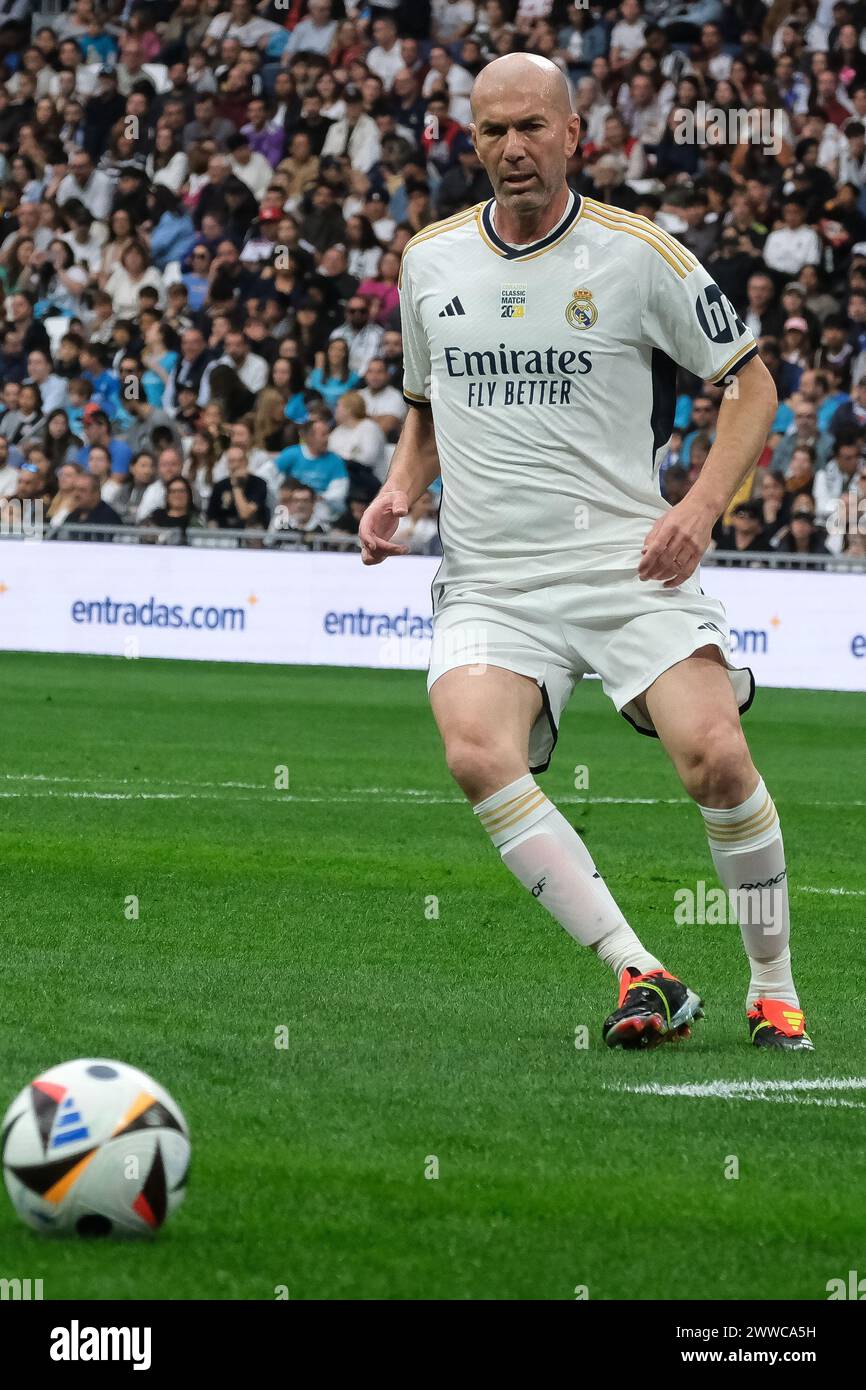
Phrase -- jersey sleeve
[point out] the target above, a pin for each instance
(686, 315)
(416, 349)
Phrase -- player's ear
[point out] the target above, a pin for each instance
(573, 132)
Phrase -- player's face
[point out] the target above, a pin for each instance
(524, 144)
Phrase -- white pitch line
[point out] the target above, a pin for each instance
(730, 1088)
(126, 781)
(213, 796)
(837, 892)
(396, 794)
(779, 1092)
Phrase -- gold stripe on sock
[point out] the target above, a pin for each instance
(520, 814)
(737, 837)
(744, 830)
(496, 813)
(746, 820)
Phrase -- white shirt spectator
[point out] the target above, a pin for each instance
(362, 143)
(256, 174)
(172, 175)
(97, 194)
(420, 536)
(153, 497)
(253, 373)
(87, 253)
(628, 38)
(363, 345)
(829, 485)
(8, 480)
(719, 67)
(534, 9)
(450, 18)
(124, 290)
(790, 248)
(851, 169)
(388, 401)
(645, 123)
(154, 73)
(309, 37)
(362, 442)
(249, 34)
(53, 393)
(459, 83)
(386, 63)
(363, 264)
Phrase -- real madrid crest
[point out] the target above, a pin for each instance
(581, 312)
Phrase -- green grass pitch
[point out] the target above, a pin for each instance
(411, 1035)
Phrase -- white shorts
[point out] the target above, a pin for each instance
(628, 632)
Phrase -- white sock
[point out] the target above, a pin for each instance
(549, 858)
(746, 845)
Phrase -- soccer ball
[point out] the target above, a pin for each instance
(95, 1148)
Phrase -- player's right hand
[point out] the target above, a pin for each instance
(378, 525)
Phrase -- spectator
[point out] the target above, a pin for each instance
(356, 438)
(180, 511)
(195, 358)
(775, 503)
(89, 507)
(793, 244)
(128, 498)
(169, 467)
(129, 277)
(335, 377)
(28, 421)
(363, 338)
(146, 419)
(65, 499)
(801, 536)
(850, 415)
(312, 463)
(419, 531)
(385, 404)
(449, 77)
(252, 370)
(97, 434)
(381, 290)
(840, 475)
(52, 388)
(746, 532)
(296, 513)
(87, 185)
(239, 501)
(355, 134)
(803, 431)
(314, 34)
(799, 475)
(10, 462)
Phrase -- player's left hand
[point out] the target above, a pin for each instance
(676, 544)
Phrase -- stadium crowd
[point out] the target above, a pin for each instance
(203, 209)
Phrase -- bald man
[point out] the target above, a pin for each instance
(542, 335)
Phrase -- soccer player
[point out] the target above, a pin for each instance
(542, 334)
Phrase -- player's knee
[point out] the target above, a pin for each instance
(480, 763)
(715, 770)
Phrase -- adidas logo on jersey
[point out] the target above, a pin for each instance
(452, 309)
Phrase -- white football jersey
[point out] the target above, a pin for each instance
(551, 372)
